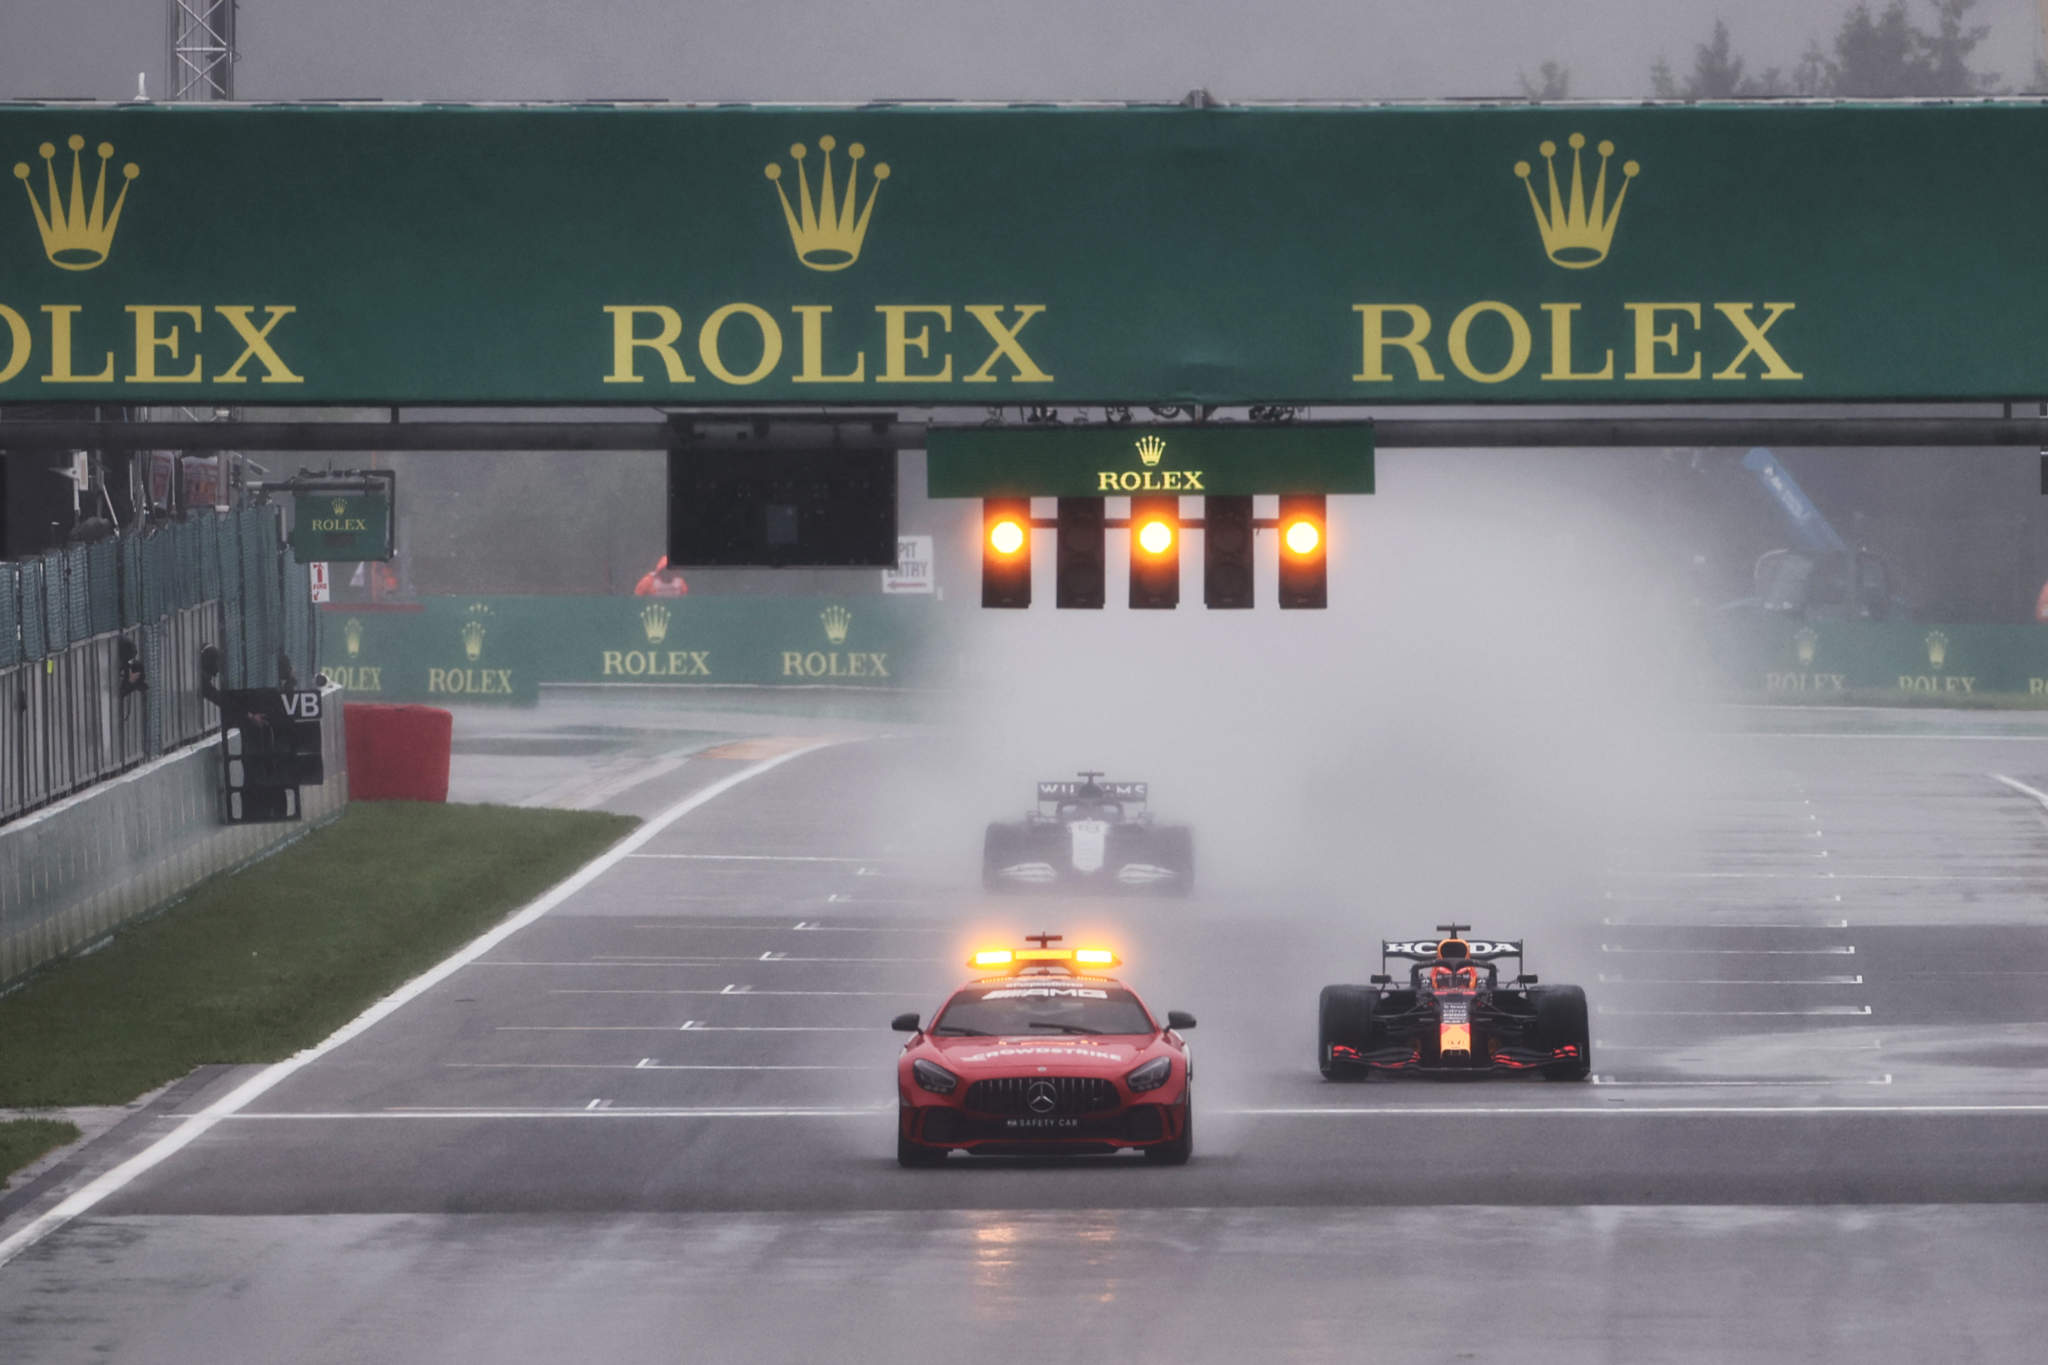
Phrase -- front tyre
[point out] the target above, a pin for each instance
(915, 1155)
(1343, 1019)
(1561, 1022)
(1177, 1151)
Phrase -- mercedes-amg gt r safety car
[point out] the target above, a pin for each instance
(1044, 1054)
(1453, 1016)
(1089, 834)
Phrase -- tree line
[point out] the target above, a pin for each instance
(1875, 54)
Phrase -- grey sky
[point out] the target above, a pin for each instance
(810, 50)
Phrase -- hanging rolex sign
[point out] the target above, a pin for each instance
(341, 525)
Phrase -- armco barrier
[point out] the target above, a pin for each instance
(501, 649)
(398, 753)
(72, 873)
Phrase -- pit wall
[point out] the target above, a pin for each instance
(1776, 658)
(501, 649)
(74, 872)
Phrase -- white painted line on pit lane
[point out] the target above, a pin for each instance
(195, 1125)
(819, 927)
(689, 1026)
(1832, 876)
(1690, 1083)
(1638, 1111)
(1875, 734)
(1739, 1014)
(1734, 952)
(610, 1111)
(1820, 1044)
(656, 961)
(2040, 797)
(729, 990)
(645, 1064)
(1624, 922)
(759, 858)
(1729, 981)
(1618, 1110)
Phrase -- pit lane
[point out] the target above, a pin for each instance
(686, 1063)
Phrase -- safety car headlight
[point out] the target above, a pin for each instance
(1152, 1075)
(933, 1077)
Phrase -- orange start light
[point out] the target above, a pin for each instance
(1155, 537)
(1303, 537)
(1026, 957)
(1006, 537)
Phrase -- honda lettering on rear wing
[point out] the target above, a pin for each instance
(1425, 949)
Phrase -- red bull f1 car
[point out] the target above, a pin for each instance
(1453, 1016)
(1044, 1054)
(1089, 834)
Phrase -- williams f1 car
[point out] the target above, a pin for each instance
(1453, 1016)
(1044, 1053)
(1089, 834)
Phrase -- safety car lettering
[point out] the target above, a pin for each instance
(1047, 992)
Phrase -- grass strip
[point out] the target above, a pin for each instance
(23, 1140)
(254, 966)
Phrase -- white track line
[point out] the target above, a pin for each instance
(2022, 788)
(760, 858)
(1729, 981)
(652, 990)
(645, 1065)
(1640, 1111)
(1738, 1014)
(1734, 952)
(609, 1112)
(195, 1125)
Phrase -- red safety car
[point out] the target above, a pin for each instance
(1045, 1054)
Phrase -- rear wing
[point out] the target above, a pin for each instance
(1093, 791)
(1425, 950)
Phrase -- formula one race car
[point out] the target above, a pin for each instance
(1453, 1017)
(1044, 1054)
(1089, 834)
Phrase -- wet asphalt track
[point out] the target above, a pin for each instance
(655, 1124)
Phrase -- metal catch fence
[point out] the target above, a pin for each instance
(101, 646)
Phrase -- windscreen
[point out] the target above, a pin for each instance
(1017, 1007)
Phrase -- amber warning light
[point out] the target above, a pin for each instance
(1025, 957)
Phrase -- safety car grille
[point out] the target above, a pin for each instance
(1015, 1095)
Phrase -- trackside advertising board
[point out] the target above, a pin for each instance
(903, 255)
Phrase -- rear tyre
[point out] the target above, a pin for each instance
(998, 850)
(1560, 1022)
(1177, 851)
(911, 1154)
(1176, 1152)
(1343, 1019)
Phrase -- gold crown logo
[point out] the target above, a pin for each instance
(1150, 448)
(827, 234)
(1937, 649)
(1576, 233)
(352, 635)
(654, 620)
(836, 620)
(340, 506)
(75, 237)
(1804, 641)
(473, 631)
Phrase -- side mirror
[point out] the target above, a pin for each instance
(1381, 980)
(1526, 979)
(1179, 1019)
(904, 1023)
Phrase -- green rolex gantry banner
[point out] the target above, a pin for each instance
(935, 255)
